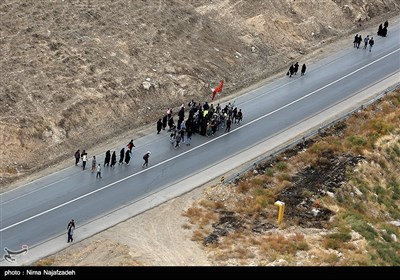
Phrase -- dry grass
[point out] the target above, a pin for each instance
(186, 226)
(198, 235)
(373, 177)
(49, 261)
(244, 186)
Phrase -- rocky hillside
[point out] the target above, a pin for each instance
(77, 72)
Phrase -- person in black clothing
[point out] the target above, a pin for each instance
(371, 43)
(170, 124)
(127, 156)
(146, 159)
(228, 125)
(77, 157)
(359, 40)
(296, 68)
(291, 70)
(70, 230)
(113, 159)
(355, 41)
(159, 126)
(181, 113)
(384, 32)
(121, 155)
(164, 122)
(303, 69)
(107, 158)
(379, 33)
(386, 24)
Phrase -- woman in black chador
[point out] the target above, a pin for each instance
(113, 159)
(121, 155)
(379, 33)
(303, 69)
(107, 158)
(127, 156)
(159, 126)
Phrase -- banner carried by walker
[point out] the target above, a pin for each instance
(217, 89)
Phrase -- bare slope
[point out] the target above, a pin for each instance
(72, 72)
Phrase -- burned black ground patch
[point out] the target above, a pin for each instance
(312, 183)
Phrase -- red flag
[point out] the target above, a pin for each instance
(217, 89)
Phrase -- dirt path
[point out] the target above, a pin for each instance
(158, 237)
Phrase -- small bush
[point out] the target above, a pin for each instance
(379, 190)
(396, 150)
(269, 172)
(364, 229)
(356, 140)
(243, 186)
(281, 165)
(388, 252)
(341, 236)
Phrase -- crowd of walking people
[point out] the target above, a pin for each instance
(203, 119)
(369, 41)
(294, 68)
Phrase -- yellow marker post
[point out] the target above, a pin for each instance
(281, 206)
(222, 179)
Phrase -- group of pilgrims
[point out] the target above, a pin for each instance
(204, 119)
(382, 31)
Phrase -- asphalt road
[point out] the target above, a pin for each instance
(39, 211)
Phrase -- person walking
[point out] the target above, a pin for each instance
(303, 69)
(121, 155)
(379, 33)
(386, 24)
(159, 126)
(355, 41)
(165, 121)
(127, 156)
(146, 159)
(77, 157)
(98, 174)
(359, 40)
(107, 158)
(228, 125)
(130, 145)
(291, 71)
(239, 116)
(178, 139)
(113, 159)
(84, 159)
(93, 164)
(188, 136)
(70, 230)
(296, 68)
(371, 43)
(366, 40)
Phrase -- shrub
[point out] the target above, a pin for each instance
(388, 252)
(269, 172)
(281, 165)
(356, 140)
(364, 229)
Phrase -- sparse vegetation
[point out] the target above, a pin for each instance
(359, 172)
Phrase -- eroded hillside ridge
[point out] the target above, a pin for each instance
(74, 73)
